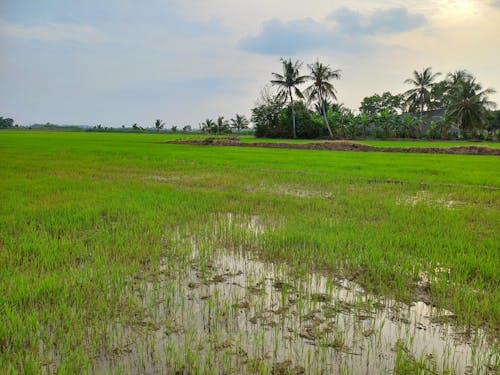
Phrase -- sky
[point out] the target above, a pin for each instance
(119, 62)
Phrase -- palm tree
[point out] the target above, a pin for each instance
(322, 89)
(423, 82)
(239, 122)
(207, 126)
(469, 104)
(287, 81)
(420, 95)
(159, 124)
(222, 125)
(458, 77)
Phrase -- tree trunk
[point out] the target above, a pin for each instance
(419, 130)
(325, 117)
(293, 113)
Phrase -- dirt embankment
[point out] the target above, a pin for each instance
(343, 146)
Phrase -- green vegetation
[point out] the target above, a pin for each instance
(287, 81)
(86, 216)
(456, 108)
(322, 89)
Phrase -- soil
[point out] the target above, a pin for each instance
(343, 146)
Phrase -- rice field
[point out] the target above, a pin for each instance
(120, 254)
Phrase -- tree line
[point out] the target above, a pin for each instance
(455, 107)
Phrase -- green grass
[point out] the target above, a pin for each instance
(81, 214)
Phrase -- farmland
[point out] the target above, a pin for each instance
(119, 253)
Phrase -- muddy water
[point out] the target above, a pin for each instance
(230, 313)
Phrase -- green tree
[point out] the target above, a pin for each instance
(6, 123)
(440, 95)
(458, 77)
(265, 117)
(207, 126)
(159, 124)
(364, 120)
(470, 105)
(377, 103)
(442, 92)
(321, 88)
(239, 122)
(420, 96)
(222, 126)
(287, 81)
(309, 124)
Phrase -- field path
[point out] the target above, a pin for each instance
(343, 146)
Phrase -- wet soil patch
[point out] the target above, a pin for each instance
(236, 314)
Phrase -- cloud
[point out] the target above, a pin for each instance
(286, 38)
(53, 32)
(393, 20)
(348, 31)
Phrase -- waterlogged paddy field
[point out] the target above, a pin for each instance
(122, 255)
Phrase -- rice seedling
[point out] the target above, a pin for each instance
(120, 255)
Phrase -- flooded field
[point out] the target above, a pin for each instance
(221, 311)
(232, 312)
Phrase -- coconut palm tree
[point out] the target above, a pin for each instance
(287, 81)
(159, 124)
(222, 125)
(420, 95)
(458, 77)
(321, 88)
(470, 104)
(239, 123)
(207, 126)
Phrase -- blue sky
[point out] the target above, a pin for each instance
(119, 62)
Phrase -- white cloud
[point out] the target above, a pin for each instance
(53, 32)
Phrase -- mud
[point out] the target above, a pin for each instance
(342, 146)
(232, 313)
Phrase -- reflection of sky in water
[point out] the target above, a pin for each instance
(236, 304)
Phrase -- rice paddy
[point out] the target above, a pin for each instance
(120, 254)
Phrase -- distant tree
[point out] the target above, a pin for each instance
(364, 119)
(440, 95)
(265, 115)
(135, 126)
(173, 129)
(6, 123)
(239, 122)
(186, 128)
(318, 106)
(309, 125)
(419, 96)
(458, 77)
(287, 81)
(207, 126)
(470, 105)
(442, 92)
(376, 103)
(321, 88)
(222, 126)
(159, 124)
